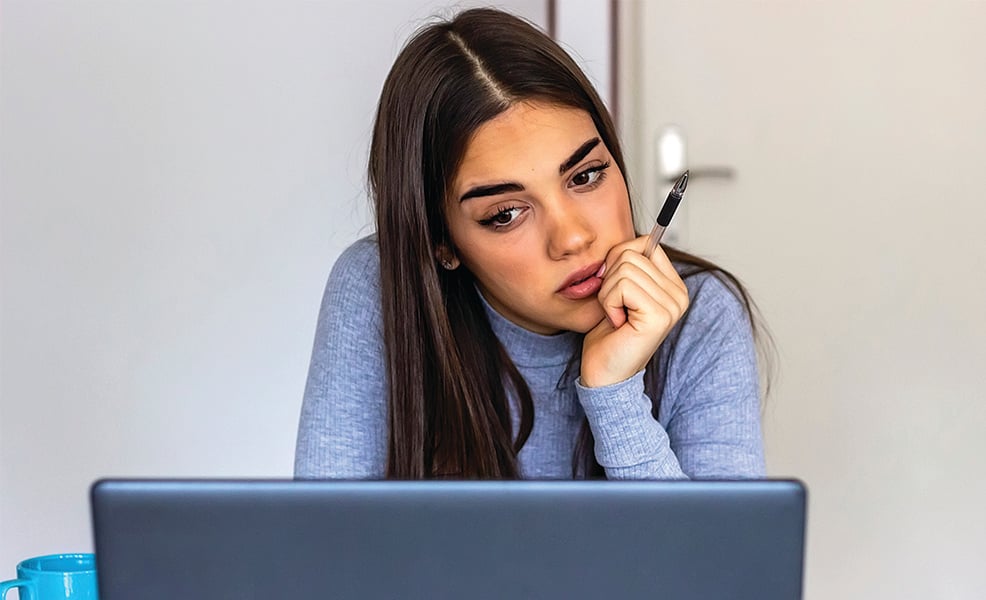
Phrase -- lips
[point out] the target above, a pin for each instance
(582, 283)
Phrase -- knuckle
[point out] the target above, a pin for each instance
(664, 318)
(627, 254)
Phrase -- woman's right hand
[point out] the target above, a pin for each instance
(643, 299)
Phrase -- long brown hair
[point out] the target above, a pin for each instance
(448, 376)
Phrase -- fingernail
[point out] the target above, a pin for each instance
(602, 269)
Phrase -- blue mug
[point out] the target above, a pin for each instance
(55, 577)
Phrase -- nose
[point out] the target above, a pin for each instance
(570, 232)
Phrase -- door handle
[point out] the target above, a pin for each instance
(672, 159)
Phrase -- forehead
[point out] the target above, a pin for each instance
(526, 138)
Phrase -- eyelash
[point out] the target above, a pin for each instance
(598, 170)
(500, 211)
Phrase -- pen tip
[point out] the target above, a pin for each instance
(681, 184)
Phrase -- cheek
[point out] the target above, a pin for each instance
(466, 246)
(482, 256)
(507, 269)
(504, 265)
(626, 211)
(618, 213)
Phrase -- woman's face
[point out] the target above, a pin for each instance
(537, 203)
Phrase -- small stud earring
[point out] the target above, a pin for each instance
(447, 264)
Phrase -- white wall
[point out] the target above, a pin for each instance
(582, 28)
(177, 179)
(858, 134)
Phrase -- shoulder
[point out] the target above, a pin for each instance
(352, 293)
(342, 432)
(356, 272)
(711, 400)
(361, 260)
(713, 298)
(715, 334)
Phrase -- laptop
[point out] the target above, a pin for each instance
(217, 539)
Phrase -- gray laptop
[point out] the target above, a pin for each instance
(218, 539)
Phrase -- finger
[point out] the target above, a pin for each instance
(636, 306)
(640, 297)
(672, 301)
(637, 244)
(616, 315)
(613, 256)
(636, 266)
(642, 273)
(660, 260)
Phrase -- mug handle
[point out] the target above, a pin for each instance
(10, 584)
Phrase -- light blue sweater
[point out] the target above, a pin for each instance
(709, 420)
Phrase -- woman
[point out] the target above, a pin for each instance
(503, 321)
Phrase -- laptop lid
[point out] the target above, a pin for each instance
(198, 539)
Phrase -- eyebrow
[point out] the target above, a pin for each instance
(503, 188)
(491, 190)
(578, 155)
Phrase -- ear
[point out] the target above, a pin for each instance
(447, 258)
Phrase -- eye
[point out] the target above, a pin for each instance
(503, 218)
(590, 177)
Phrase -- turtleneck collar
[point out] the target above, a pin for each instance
(527, 348)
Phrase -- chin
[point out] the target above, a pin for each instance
(586, 319)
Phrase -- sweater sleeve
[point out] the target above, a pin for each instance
(710, 411)
(630, 443)
(343, 427)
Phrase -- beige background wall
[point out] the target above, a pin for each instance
(857, 131)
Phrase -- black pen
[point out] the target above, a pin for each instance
(667, 211)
